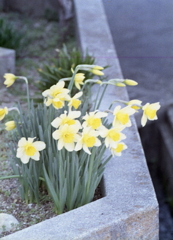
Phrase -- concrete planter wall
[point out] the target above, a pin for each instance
(129, 209)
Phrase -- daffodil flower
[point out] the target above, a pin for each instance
(118, 149)
(74, 101)
(10, 125)
(29, 149)
(56, 95)
(93, 119)
(3, 112)
(66, 135)
(78, 80)
(122, 116)
(112, 136)
(135, 104)
(149, 112)
(68, 119)
(87, 140)
(10, 79)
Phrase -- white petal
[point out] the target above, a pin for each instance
(39, 145)
(46, 93)
(78, 95)
(20, 152)
(78, 146)
(85, 148)
(30, 140)
(25, 159)
(101, 114)
(56, 134)
(56, 122)
(60, 144)
(69, 146)
(22, 142)
(74, 114)
(36, 156)
(98, 143)
(144, 120)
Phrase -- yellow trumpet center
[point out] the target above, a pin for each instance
(30, 150)
(94, 122)
(122, 117)
(151, 113)
(89, 140)
(115, 136)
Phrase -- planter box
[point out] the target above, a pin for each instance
(129, 209)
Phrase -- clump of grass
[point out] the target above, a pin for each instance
(9, 36)
(62, 65)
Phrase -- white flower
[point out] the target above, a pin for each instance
(28, 149)
(93, 119)
(121, 116)
(149, 112)
(118, 149)
(87, 140)
(66, 135)
(68, 119)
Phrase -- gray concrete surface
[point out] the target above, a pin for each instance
(143, 35)
(129, 209)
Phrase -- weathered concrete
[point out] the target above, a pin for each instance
(7, 62)
(7, 222)
(129, 209)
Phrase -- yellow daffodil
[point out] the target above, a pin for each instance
(74, 101)
(3, 112)
(97, 70)
(135, 104)
(29, 149)
(118, 149)
(93, 119)
(68, 119)
(149, 112)
(10, 79)
(130, 82)
(56, 95)
(10, 125)
(87, 140)
(78, 80)
(122, 116)
(66, 135)
(112, 136)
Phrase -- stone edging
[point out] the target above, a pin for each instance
(129, 209)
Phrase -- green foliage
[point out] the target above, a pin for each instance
(9, 37)
(70, 179)
(62, 66)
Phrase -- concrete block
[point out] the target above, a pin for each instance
(7, 63)
(129, 209)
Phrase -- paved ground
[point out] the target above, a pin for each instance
(143, 35)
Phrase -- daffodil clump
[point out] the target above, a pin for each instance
(59, 145)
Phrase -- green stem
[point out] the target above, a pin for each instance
(27, 89)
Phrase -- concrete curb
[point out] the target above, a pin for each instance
(129, 209)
